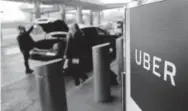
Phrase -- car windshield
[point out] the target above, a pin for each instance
(101, 32)
(91, 31)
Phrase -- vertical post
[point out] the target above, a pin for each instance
(79, 15)
(1, 31)
(37, 8)
(98, 18)
(63, 12)
(140, 2)
(51, 86)
(91, 18)
(119, 56)
(1, 21)
(31, 16)
(101, 70)
(123, 77)
(37, 12)
(128, 57)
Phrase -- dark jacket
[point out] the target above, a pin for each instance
(25, 41)
(75, 46)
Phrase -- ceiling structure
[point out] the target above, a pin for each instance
(85, 4)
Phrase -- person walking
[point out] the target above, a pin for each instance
(75, 54)
(26, 43)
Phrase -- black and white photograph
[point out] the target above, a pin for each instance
(94, 55)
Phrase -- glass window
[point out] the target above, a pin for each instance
(101, 32)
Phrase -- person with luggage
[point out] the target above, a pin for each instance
(75, 54)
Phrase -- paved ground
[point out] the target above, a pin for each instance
(11, 58)
(22, 95)
(12, 64)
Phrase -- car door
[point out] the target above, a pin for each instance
(91, 36)
(105, 37)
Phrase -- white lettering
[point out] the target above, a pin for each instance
(170, 73)
(146, 61)
(140, 57)
(156, 66)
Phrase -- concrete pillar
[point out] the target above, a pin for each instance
(1, 21)
(98, 19)
(101, 70)
(127, 62)
(37, 8)
(79, 18)
(119, 57)
(91, 18)
(37, 14)
(63, 12)
(140, 2)
(51, 86)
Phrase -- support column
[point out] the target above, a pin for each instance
(1, 21)
(140, 2)
(63, 12)
(98, 18)
(119, 57)
(79, 15)
(37, 14)
(37, 9)
(91, 18)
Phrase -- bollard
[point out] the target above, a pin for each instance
(51, 86)
(119, 57)
(101, 70)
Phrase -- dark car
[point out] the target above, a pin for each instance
(95, 36)
(58, 30)
(50, 48)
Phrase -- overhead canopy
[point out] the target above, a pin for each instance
(85, 4)
(44, 9)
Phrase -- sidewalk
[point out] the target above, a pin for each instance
(12, 65)
(22, 95)
(82, 99)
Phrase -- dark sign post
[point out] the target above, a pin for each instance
(159, 55)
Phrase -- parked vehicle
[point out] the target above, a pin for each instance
(54, 47)
(50, 48)
(95, 36)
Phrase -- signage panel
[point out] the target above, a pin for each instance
(159, 56)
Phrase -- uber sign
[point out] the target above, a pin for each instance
(147, 65)
(159, 56)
